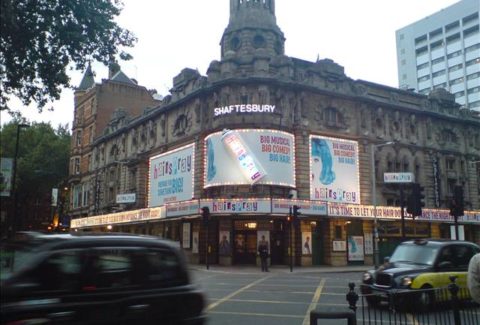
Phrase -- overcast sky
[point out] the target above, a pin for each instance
(172, 35)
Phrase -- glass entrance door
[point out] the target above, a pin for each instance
(245, 249)
(277, 244)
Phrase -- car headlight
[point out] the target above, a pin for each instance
(367, 277)
(407, 281)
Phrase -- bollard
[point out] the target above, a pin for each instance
(352, 297)
(454, 288)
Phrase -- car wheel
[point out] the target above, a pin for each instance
(425, 299)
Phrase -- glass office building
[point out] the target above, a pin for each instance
(443, 51)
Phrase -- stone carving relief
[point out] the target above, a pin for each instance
(447, 137)
(428, 126)
(396, 126)
(152, 133)
(162, 125)
(263, 95)
(378, 123)
(182, 123)
(198, 110)
(412, 129)
(225, 96)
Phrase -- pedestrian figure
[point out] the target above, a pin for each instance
(263, 252)
(306, 246)
(473, 277)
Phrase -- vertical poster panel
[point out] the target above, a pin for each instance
(6, 167)
(334, 175)
(249, 156)
(186, 243)
(195, 242)
(306, 243)
(171, 176)
(355, 248)
(224, 245)
(461, 233)
(368, 243)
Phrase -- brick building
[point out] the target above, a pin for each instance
(263, 132)
(95, 105)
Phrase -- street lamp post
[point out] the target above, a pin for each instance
(374, 201)
(13, 217)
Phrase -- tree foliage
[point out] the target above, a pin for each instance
(40, 38)
(42, 161)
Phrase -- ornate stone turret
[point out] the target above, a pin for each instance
(252, 27)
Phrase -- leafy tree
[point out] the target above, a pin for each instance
(42, 164)
(40, 38)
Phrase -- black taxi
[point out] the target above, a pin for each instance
(96, 279)
(419, 267)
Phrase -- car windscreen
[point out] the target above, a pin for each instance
(13, 257)
(416, 254)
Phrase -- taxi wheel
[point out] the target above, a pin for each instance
(425, 299)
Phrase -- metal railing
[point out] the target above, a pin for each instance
(443, 306)
(449, 305)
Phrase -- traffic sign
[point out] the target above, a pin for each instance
(398, 178)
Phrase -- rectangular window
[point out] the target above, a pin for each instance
(451, 185)
(438, 73)
(421, 50)
(85, 195)
(436, 45)
(436, 32)
(452, 26)
(454, 54)
(473, 90)
(77, 196)
(422, 66)
(453, 38)
(421, 39)
(76, 167)
(470, 31)
(424, 78)
(91, 134)
(79, 138)
(450, 164)
(470, 18)
(472, 48)
(438, 60)
(456, 81)
(472, 62)
(455, 67)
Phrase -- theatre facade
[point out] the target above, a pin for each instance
(263, 132)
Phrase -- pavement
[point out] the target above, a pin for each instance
(249, 269)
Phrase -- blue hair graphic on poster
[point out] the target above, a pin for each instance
(321, 150)
(211, 169)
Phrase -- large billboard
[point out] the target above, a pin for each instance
(334, 175)
(171, 176)
(249, 156)
(6, 167)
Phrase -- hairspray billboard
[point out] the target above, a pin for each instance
(171, 176)
(249, 156)
(334, 175)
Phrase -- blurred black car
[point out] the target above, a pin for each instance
(416, 270)
(97, 279)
